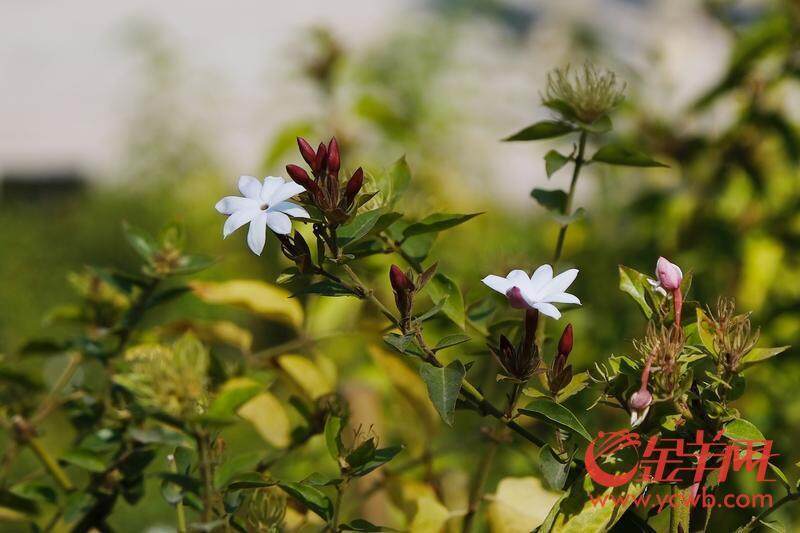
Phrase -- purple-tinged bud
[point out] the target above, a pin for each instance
(515, 299)
(320, 159)
(639, 405)
(565, 343)
(306, 151)
(333, 157)
(669, 274)
(399, 281)
(354, 185)
(301, 177)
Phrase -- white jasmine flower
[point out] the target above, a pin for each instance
(263, 205)
(540, 291)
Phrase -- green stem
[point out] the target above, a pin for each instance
(50, 464)
(206, 473)
(369, 294)
(337, 506)
(51, 401)
(579, 161)
(791, 496)
(476, 493)
(179, 510)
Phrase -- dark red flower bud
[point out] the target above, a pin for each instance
(320, 159)
(565, 344)
(398, 279)
(301, 177)
(354, 185)
(306, 151)
(333, 157)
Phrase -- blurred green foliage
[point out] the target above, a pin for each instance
(727, 209)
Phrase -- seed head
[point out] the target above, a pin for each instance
(583, 94)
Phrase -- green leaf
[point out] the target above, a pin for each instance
(554, 470)
(546, 129)
(556, 414)
(362, 525)
(705, 331)
(311, 497)
(377, 459)
(757, 355)
(357, 228)
(633, 283)
(551, 200)
(325, 287)
(566, 220)
(232, 395)
(451, 340)
(142, 243)
(333, 436)
(84, 459)
(553, 161)
(436, 223)
(403, 343)
(190, 264)
(444, 290)
(601, 125)
(615, 154)
(399, 179)
(444, 384)
(741, 430)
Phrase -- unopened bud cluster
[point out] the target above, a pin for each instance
(336, 200)
(733, 336)
(560, 373)
(521, 362)
(405, 285)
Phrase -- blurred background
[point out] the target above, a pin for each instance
(149, 111)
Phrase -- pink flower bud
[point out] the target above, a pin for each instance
(306, 151)
(333, 157)
(301, 177)
(639, 405)
(320, 159)
(565, 343)
(669, 274)
(515, 299)
(354, 185)
(398, 279)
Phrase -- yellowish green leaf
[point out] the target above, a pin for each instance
(256, 296)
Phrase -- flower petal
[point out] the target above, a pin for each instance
(257, 234)
(279, 222)
(250, 187)
(539, 278)
(547, 309)
(237, 220)
(270, 187)
(286, 191)
(293, 210)
(498, 283)
(229, 204)
(519, 278)
(562, 298)
(559, 283)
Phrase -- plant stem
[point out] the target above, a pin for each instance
(51, 401)
(179, 510)
(791, 496)
(337, 506)
(476, 493)
(369, 294)
(50, 464)
(579, 161)
(206, 473)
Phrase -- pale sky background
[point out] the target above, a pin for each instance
(67, 78)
